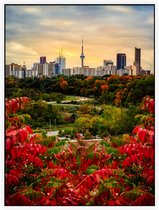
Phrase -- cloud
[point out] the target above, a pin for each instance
(121, 9)
(15, 48)
(57, 23)
(32, 10)
(150, 20)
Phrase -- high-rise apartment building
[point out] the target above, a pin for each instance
(137, 61)
(121, 60)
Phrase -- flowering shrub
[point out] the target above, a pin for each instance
(74, 174)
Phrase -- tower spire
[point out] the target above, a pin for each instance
(82, 55)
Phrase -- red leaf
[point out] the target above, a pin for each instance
(144, 200)
(11, 179)
(151, 137)
(150, 180)
(136, 129)
(134, 158)
(23, 134)
(8, 144)
(142, 134)
(11, 133)
(114, 165)
(20, 200)
(89, 182)
(151, 106)
(127, 162)
(28, 128)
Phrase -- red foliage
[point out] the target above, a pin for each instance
(63, 83)
(144, 200)
(148, 104)
(19, 200)
(118, 97)
(104, 88)
(20, 152)
(15, 104)
(80, 174)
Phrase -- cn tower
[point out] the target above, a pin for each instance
(82, 55)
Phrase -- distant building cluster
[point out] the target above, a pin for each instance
(58, 67)
(42, 68)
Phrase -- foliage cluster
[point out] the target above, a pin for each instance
(106, 119)
(48, 172)
(43, 114)
(111, 89)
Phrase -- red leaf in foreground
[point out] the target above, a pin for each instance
(23, 134)
(142, 134)
(11, 133)
(8, 144)
(28, 128)
(151, 137)
(127, 162)
(136, 129)
(11, 179)
(151, 105)
(19, 200)
(144, 200)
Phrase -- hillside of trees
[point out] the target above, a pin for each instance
(115, 90)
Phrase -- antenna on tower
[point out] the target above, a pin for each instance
(82, 54)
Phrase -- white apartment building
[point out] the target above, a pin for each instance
(121, 72)
(40, 69)
(45, 69)
(28, 73)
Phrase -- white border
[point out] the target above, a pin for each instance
(156, 2)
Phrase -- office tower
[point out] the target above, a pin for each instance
(56, 68)
(61, 62)
(137, 61)
(82, 55)
(42, 59)
(121, 60)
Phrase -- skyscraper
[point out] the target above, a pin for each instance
(61, 62)
(82, 55)
(137, 61)
(121, 60)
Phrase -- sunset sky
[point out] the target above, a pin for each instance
(34, 31)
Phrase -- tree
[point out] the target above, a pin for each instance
(63, 83)
(82, 124)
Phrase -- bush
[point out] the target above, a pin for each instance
(87, 135)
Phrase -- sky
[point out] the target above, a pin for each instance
(33, 31)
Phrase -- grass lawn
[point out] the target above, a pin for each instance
(71, 98)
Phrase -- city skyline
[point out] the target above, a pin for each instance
(34, 31)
